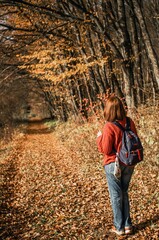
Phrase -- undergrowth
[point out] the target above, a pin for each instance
(83, 135)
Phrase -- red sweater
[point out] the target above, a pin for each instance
(111, 139)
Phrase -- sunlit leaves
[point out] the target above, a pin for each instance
(60, 189)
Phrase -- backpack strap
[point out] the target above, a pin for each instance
(121, 127)
(128, 123)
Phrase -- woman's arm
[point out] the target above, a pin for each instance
(105, 142)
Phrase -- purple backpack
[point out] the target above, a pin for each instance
(131, 151)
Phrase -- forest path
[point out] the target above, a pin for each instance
(49, 192)
(44, 192)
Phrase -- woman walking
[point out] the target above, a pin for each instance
(109, 142)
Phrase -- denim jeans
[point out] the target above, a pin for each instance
(118, 191)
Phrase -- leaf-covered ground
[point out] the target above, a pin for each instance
(53, 185)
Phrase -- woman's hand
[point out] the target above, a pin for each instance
(99, 133)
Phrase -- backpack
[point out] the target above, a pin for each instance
(131, 150)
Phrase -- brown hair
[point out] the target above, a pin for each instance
(114, 109)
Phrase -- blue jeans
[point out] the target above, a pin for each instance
(118, 191)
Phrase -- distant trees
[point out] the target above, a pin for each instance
(78, 50)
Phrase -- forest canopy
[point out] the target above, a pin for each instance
(74, 51)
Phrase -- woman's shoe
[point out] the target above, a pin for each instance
(128, 230)
(114, 230)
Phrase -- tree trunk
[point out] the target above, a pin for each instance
(147, 41)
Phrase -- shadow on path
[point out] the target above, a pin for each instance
(137, 228)
(38, 131)
(13, 220)
(147, 223)
(38, 127)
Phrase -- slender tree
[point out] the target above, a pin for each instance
(83, 48)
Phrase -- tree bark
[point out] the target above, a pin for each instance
(147, 41)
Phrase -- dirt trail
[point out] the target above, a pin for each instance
(47, 194)
(34, 148)
(42, 189)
